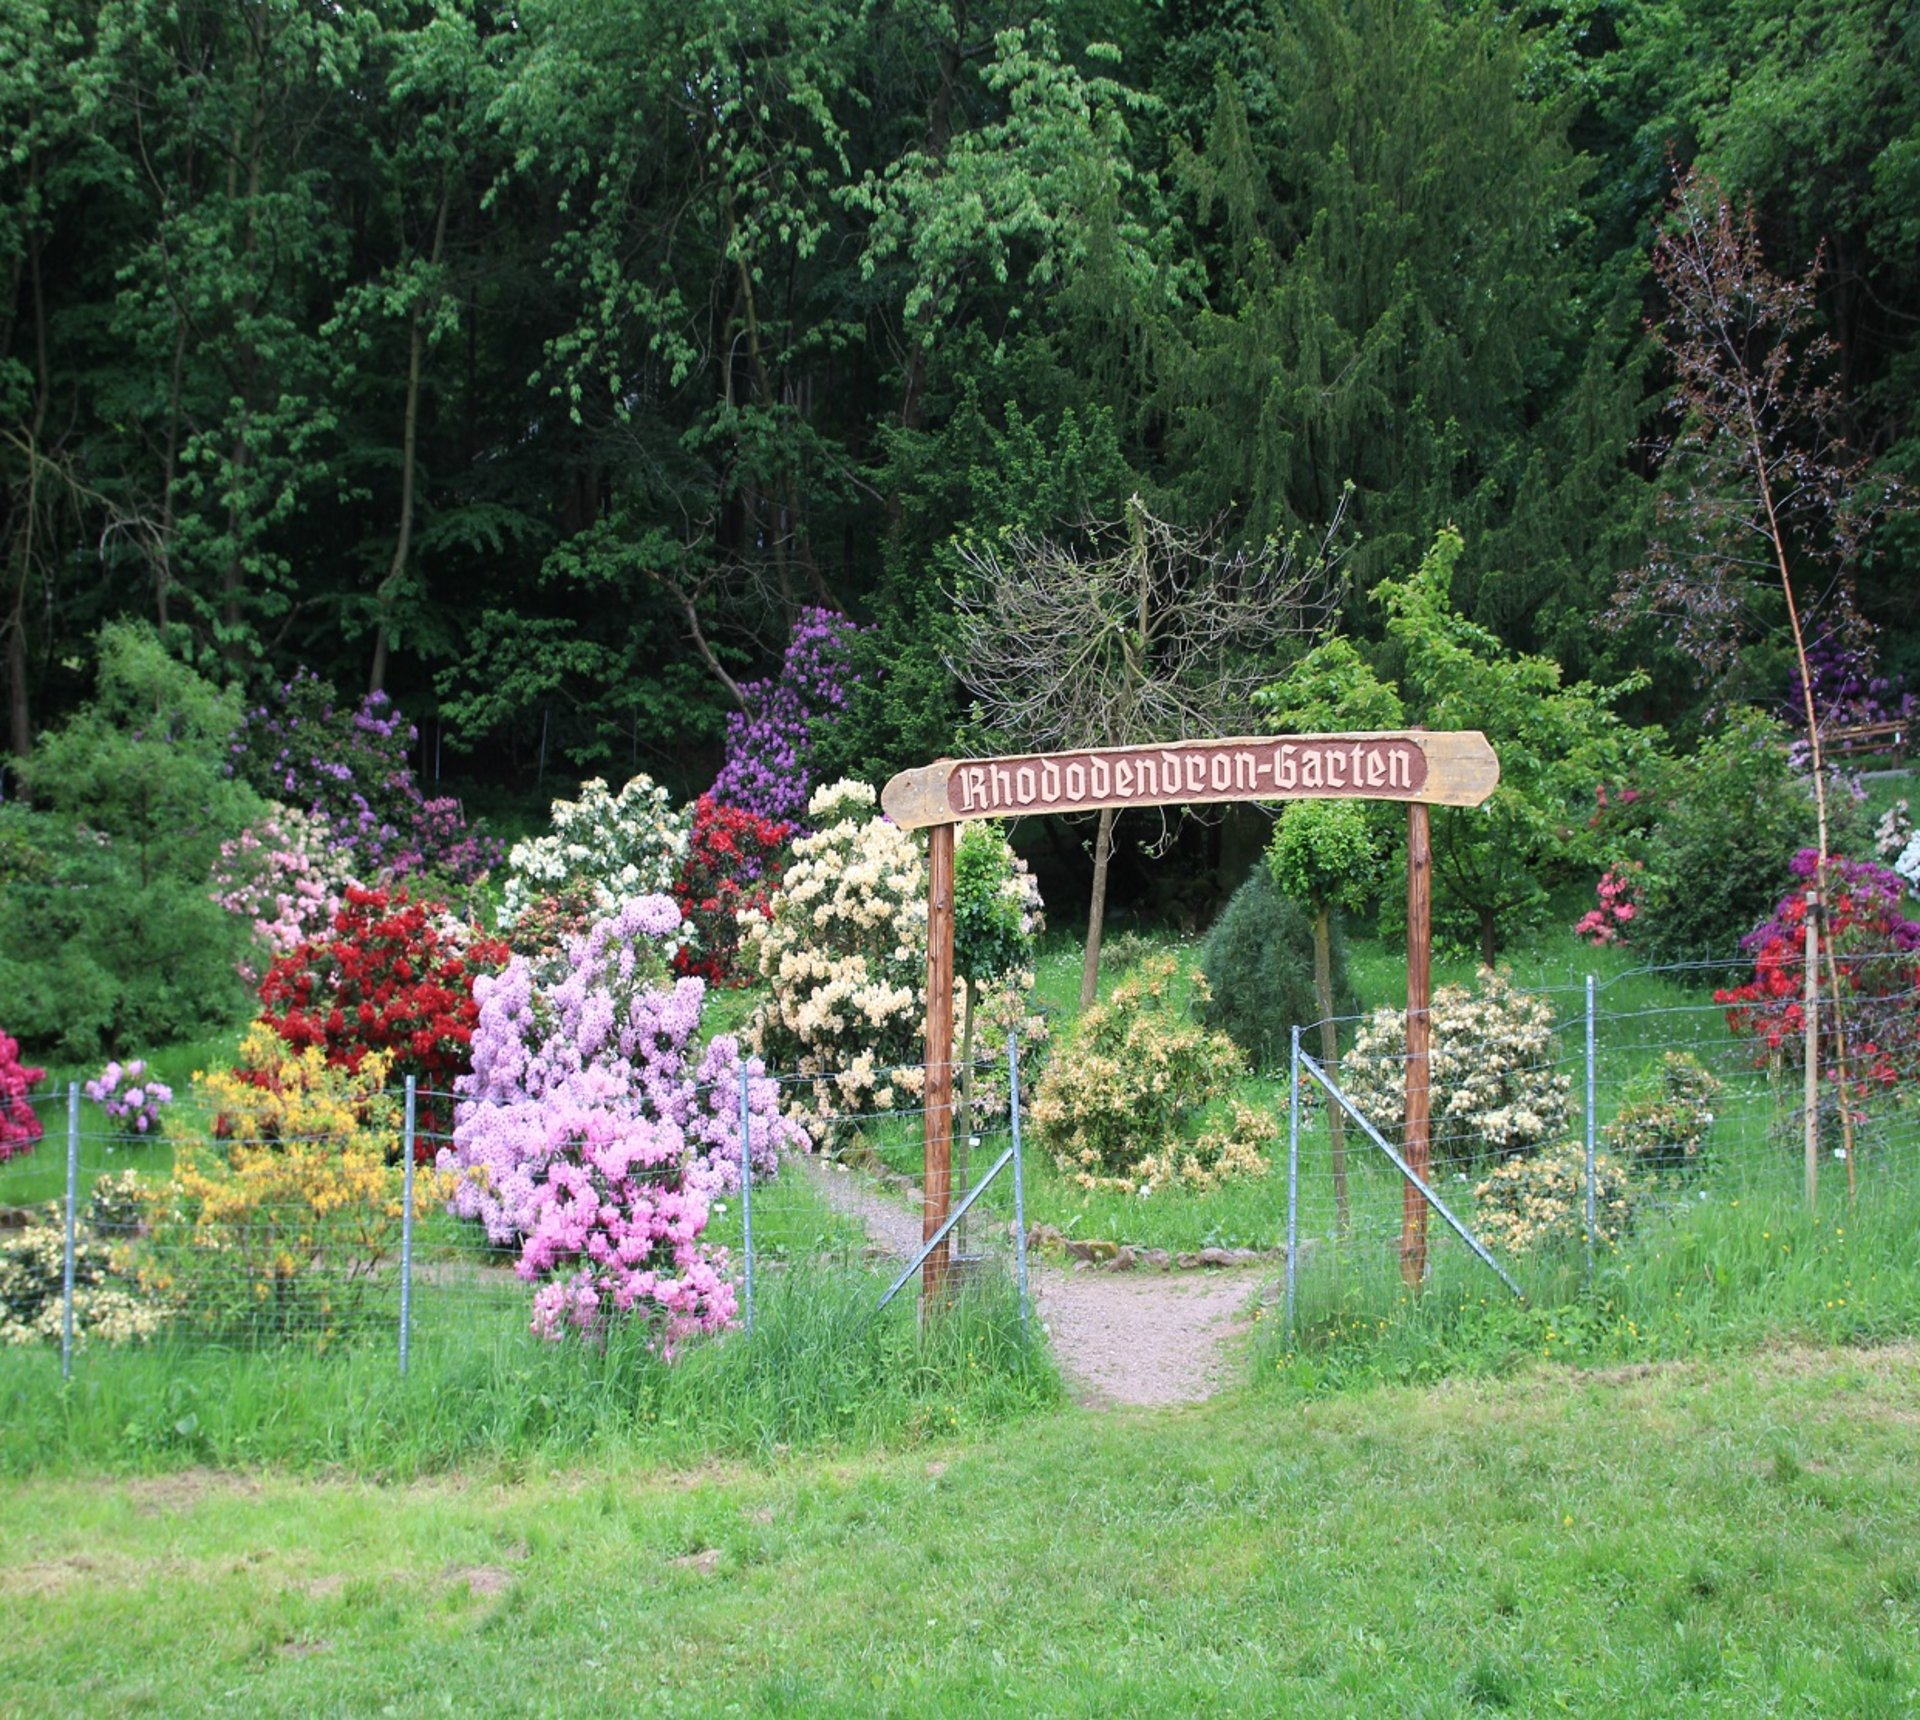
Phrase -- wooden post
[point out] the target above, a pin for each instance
(936, 1189)
(1413, 1208)
(1810, 1006)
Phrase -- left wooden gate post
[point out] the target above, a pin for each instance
(937, 1188)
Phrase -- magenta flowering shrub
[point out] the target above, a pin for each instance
(595, 1134)
(19, 1127)
(286, 878)
(350, 766)
(129, 1097)
(1608, 923)
(769, 743)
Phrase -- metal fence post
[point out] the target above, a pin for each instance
(73, 1204)
(1592, 1200)
(1293, 1178)
(1019, 1175)
(746, 1189)
(406, 1230)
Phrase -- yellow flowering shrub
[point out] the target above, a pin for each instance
(284, 1220)
(1527, 1204)
(1122, 1106)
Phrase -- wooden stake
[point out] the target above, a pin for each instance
(1811, 1008)
(1413, 1209)
(936, 1190)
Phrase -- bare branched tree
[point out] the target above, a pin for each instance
(1762, 494)
(1762, 497)
(1138, 631)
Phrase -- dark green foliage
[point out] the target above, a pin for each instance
(1258, 962)
(113, 942)
(1729, 818)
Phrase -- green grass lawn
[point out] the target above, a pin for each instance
(1682, 1539)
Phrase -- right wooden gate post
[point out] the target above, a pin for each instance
(1413, 1209)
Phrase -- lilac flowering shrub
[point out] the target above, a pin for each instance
(350, 766)
(594, 1133)
(609, 847)
(768, 744)
(129, 1097)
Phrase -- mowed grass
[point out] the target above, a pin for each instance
(1693, 1539)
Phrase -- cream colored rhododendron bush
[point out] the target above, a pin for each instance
(1494, 1090)
(843, 953)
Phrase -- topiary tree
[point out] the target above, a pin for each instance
(1325, 854)
(1258, 965)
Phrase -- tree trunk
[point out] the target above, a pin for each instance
(1329, 1054)
(19, 712)
(1488, 947)
(1097, 911)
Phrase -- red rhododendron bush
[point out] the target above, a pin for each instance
(733, 867)
(1875, 950)
(393, 976)
(19, 1127)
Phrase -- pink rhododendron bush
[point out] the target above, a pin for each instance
(286, 876)
(595, 1134)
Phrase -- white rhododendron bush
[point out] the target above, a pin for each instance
(1495, 1091)
(608, 848)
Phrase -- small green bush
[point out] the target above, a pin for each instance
(1727, 821)
(1663, 1125)
(1258, 962)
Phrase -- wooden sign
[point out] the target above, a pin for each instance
(1443, 769)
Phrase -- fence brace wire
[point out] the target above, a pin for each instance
(1406, 1170)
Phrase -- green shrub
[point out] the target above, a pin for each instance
(1727, 821)
(1124, 1105)
(1664, 1124)
(1258, 962)
(111, 938)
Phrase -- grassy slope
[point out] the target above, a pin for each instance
(1676, 1540)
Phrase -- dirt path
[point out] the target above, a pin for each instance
(1121, 1338)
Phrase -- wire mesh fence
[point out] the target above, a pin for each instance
(199, 1234)
(1567, 1122)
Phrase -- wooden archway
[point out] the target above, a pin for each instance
(1421, 768)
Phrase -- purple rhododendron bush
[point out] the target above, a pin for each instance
(595, 1134)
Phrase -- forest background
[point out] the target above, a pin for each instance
(542, 363)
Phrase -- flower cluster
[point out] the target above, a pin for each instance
(1607, 924)
(732, 869)
(285, 876)
(1528, 1204)
(390, 978)
(769, 742)
(1493, 1090)
(350, 766)
(612, 846)
(136, 1105)
(1122, 1108)
(19, 1126)
(844, 957)
(1876, 953)
(110, 1304)
(276, 1228)
(1666, 1129)
(594, 1133)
